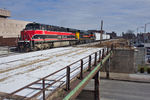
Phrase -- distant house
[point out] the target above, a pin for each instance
(112, 35)
(98, 36)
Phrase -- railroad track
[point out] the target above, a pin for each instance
(43, 85)
(18, 69)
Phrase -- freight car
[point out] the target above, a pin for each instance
(38, 36)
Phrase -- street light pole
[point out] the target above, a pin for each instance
(145, 27)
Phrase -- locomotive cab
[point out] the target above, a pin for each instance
(24, 42)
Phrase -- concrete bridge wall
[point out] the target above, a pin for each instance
(123, 61)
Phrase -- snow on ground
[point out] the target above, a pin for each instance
(20, 70)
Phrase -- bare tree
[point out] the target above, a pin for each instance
(130, 32)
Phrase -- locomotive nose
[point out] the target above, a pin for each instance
(26, 36)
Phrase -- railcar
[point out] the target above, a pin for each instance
(37, 36)
(85, 37)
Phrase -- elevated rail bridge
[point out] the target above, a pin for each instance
(68, 82)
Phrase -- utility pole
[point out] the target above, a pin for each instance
(101, 31)
(145, 29)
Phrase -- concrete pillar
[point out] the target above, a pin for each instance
(107, 68)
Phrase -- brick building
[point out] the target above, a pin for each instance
(9, 28)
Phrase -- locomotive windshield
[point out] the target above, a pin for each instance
(32, 26)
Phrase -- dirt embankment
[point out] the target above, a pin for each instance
(117, 43)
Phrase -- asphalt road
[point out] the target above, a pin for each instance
(117, 90)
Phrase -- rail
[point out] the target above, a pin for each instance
(47, 85)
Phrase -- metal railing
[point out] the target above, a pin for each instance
(45, 86)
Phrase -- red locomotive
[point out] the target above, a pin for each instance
(37, 36)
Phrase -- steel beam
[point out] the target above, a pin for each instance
(84, 82)
(96, 92)
(68, 78)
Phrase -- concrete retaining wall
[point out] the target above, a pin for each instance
(139, 57)
(122, 61)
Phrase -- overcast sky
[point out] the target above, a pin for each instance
(118, 15)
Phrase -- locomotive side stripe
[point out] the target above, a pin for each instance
(53, 39)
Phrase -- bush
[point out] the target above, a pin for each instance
(148, 70)
(142, 70)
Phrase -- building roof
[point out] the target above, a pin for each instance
(4, 13)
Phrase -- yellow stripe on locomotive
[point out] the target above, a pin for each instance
(78, 35)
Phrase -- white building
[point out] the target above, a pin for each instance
(104, 36)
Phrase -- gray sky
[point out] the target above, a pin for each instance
(118, 15)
